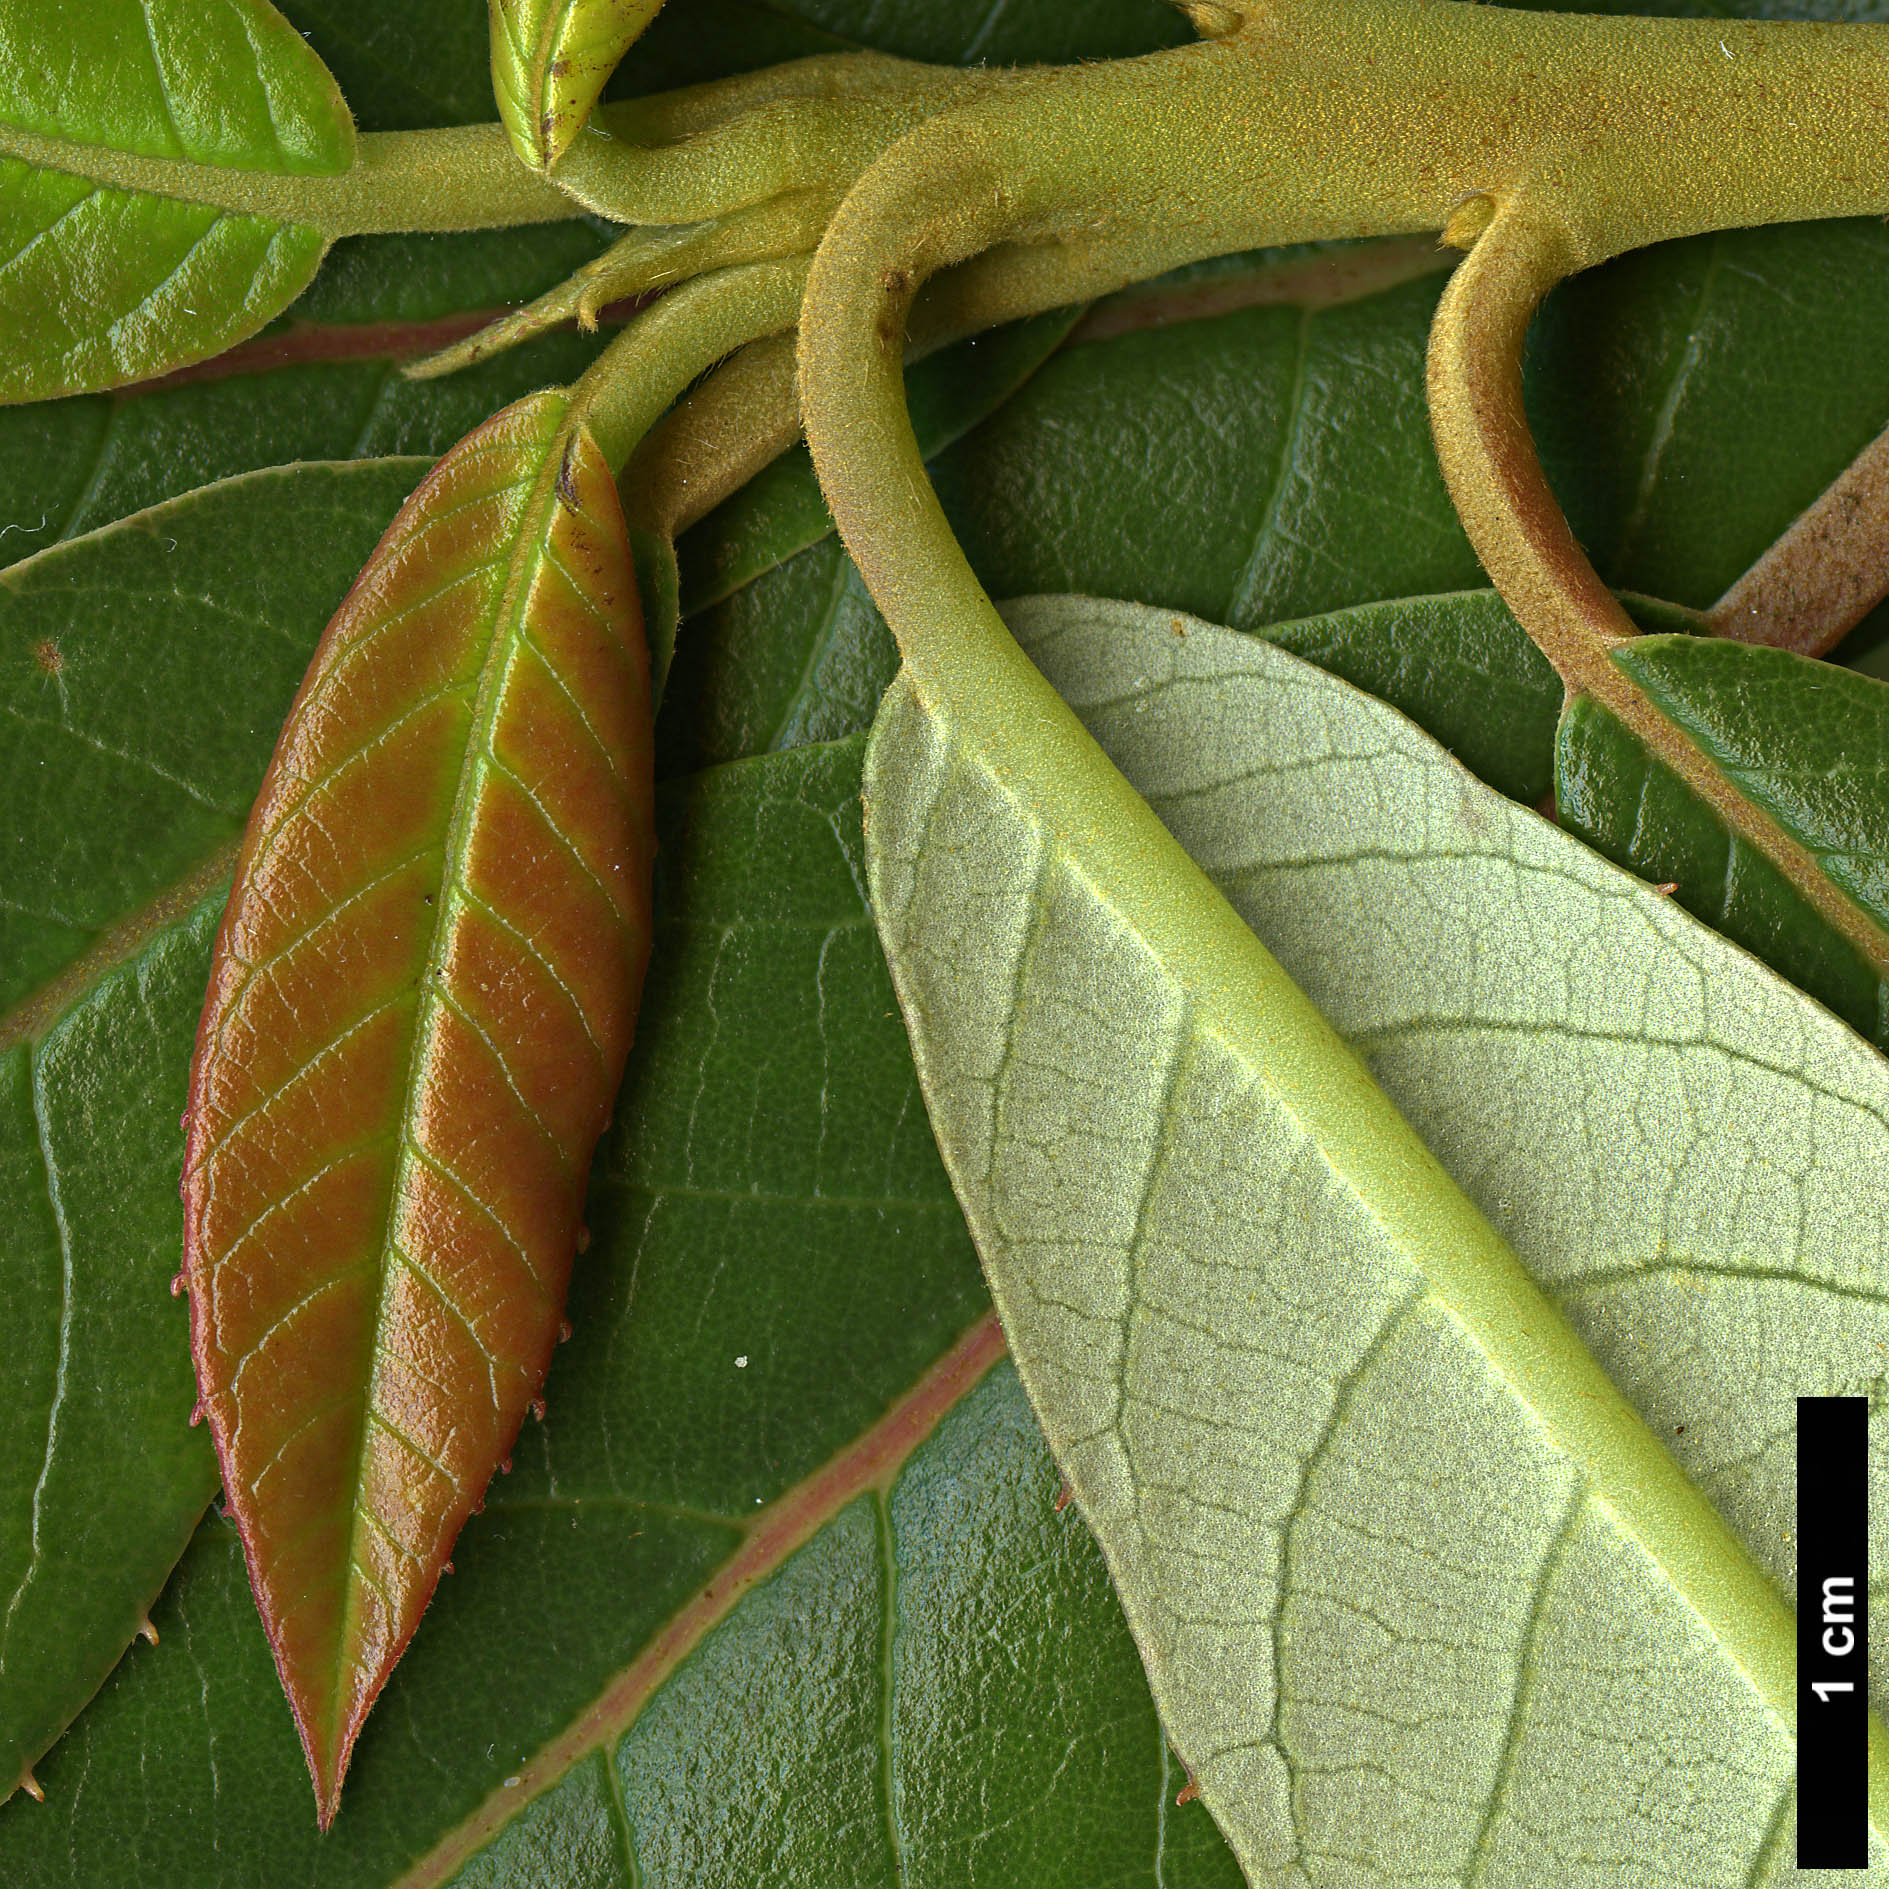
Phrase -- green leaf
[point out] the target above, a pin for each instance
(224, 82)
(101, 1477)
(1263, 463)
(1806, 741)
(124, 775)
(128, 782)
(1174, 1210)
(326, 384)
(748, 1205)
(403, 68)
(550, 62)
(110, 283)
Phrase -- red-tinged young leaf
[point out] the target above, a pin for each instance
(421, 1001)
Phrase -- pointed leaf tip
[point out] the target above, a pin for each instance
(420, 1005)
(550, 62)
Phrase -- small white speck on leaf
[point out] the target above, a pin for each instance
(741, 1363)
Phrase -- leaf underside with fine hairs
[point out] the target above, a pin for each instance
(106, 285)
(550, 62)
(1297, 1461)
(421, 1002)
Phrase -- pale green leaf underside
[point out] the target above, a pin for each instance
(1390, 1624)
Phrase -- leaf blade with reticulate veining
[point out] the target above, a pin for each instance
(1292, 1420)
(422, 999)
(111, 283)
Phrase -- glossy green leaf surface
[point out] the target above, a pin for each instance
(1806, 742)
(120, 829)
(1169, 1214)
(106, 284)
(226, 82)
(106, 641)
(327, 384)
(422, 997)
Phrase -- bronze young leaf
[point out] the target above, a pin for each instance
(421, 1001)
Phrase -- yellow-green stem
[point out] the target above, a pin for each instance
(460, 179)
(633, 382)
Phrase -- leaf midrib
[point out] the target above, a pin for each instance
(1133, 865)
(506, 634)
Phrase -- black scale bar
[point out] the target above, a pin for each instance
(1832, 1632)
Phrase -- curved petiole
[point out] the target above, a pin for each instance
(1489, 461)
(1522, 537)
